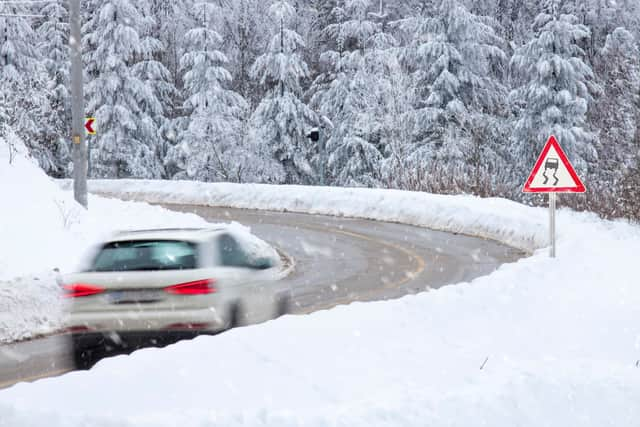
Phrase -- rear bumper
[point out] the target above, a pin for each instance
(150, 322)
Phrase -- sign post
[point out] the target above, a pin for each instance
(319, 136)
(552, 224)
(90, 128)
(552, 174)
(315, 135)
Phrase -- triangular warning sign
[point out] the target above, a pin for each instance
(553, 172)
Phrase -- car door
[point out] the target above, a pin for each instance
(244, 282)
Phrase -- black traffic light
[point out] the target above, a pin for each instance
(314, 135)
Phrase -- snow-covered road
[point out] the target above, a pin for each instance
(338, 261)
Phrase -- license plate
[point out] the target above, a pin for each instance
(134, 296)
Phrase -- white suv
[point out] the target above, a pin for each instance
(149, 285)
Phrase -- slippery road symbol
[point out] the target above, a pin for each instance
(551, 163)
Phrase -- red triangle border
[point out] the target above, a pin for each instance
(579, 187)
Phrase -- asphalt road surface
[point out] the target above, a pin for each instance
(337, 261)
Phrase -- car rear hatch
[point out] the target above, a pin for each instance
(140, 290)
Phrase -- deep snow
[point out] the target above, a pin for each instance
(541, 342)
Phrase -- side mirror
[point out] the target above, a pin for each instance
(262, 264)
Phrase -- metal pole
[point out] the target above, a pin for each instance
(552, 223)
(80, 165)
(323, 154)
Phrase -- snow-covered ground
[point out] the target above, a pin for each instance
(542, 342)
(42, 228)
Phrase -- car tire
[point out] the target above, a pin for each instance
(82, 359)
(283, 306)
(236, 315)
(86, 353)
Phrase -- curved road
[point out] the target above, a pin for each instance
(337, 261)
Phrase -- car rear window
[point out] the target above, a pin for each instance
(146, 256)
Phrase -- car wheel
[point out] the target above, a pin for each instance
(283, 306)
(236, 315)
(86, 352)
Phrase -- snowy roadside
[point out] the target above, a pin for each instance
(497, 219)
(552, 342)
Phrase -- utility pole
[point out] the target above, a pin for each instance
(323, 155)
(80, 162)
(315, 135)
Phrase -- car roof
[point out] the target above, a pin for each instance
(186, 234)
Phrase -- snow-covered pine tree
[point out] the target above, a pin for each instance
(172, 19)
(123, 103)
(597, 15)
(616, 112)
(53, 34)
(245, 30)
(514, 17)
(282, 119)
(152, 72)
(387, 120)
(553, 92)
(394, 120)
(506, 13)
(321, 17)
(628, 15)
(24, 93)
(345, 93)
(455, 58)
(209, 144)
(303, 22)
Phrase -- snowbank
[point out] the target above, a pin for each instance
(498, 219)
(539, 342)
(551, 342)
(42, 228)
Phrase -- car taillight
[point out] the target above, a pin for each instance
(81, 290)
(199, 287)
